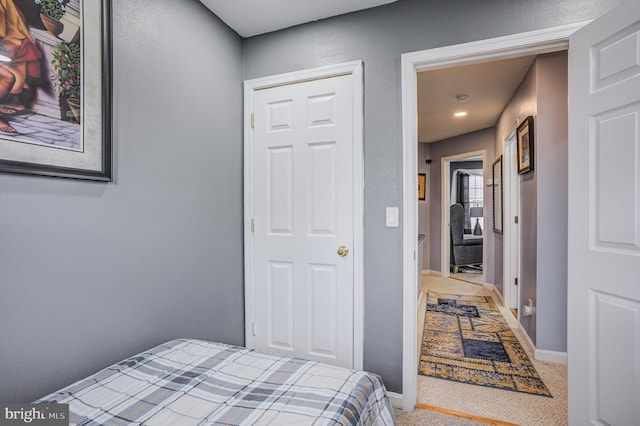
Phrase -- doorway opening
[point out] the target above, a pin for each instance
(462, 229)
(535, 42)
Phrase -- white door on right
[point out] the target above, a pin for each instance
(604, 220)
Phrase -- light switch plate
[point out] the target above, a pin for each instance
(393, 217)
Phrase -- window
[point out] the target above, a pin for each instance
(476, 195)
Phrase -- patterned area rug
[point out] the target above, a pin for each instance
(466, 339)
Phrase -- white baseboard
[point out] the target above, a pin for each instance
(553, 356)
(431, 272)
(527, 339)
(395, 399)
(496, 292)
(543, 354)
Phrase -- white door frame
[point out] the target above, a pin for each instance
(529, 43)
(511, 248)
(445, 238)
(250, 86)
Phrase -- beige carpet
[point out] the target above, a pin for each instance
(507, 406)
(425, 417)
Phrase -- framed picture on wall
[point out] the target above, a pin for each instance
(525, 146)
(497, 195)
(422, 191)
(55, 88)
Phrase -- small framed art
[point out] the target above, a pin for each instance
(525, 146)
(422, 191)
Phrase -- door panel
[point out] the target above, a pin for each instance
(604, 220)
(615, 58)
(616, 323)
(323, 189)
(616, 165)
(280, 115)
(303, 202)
(322, 110)
(280, 190)
(280, 302)
(323, 310)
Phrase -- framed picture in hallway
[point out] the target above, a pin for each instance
(55, 88)
(422, 190)
(525, 146)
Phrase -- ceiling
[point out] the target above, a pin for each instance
(253, 17)
(488, 85)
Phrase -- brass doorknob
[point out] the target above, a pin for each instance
(343, 251)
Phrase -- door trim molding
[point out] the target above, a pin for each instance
(511, 244)
(355, 69)
(533, 42)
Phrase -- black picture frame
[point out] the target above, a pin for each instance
(422, 189)
(525, 145)
(94, 160)
(497, 187)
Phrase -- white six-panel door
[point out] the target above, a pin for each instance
(303, 209)
(604, 220)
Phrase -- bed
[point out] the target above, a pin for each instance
(195, 382)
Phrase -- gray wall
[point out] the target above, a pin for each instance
(522, 104)
(470, 142)
(379, 36)
(552, 159)
(543, 200)
(91, 272)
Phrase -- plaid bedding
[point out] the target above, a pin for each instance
(195, 382)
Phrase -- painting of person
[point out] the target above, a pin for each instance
(19, 59)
